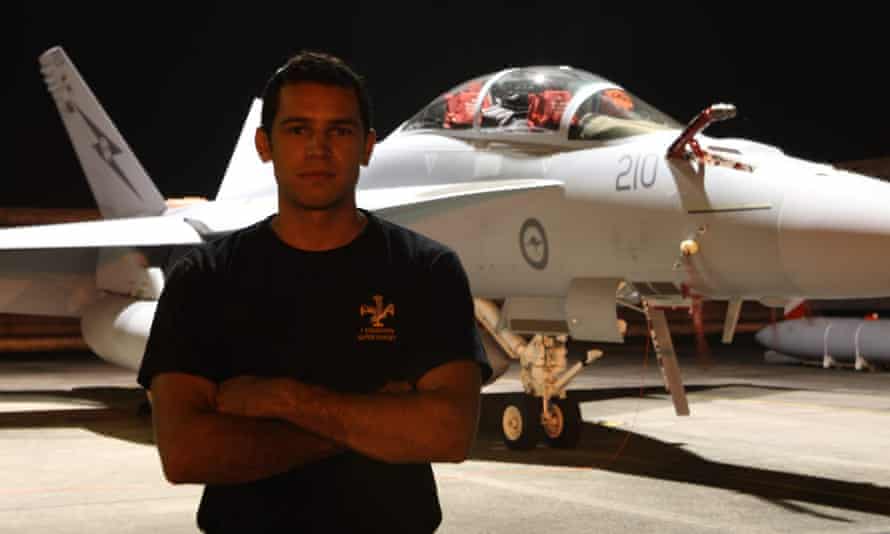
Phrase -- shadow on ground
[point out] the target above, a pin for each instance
(621, 451)
(115, 412)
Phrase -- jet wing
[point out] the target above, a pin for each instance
(392, 200)
(132, 232)
(223, 216)
(174, 230)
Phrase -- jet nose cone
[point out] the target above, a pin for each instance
(834, 237)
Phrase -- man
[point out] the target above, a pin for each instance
(309, 368)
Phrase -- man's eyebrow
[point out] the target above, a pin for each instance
(347, 121)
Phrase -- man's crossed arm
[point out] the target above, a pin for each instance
(250, 428)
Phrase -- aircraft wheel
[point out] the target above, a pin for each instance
(521, 423)
(563, 430)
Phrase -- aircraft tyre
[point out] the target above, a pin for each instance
(521, 423)
(564, 429)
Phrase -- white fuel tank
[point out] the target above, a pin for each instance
(116, 328)
(838, 337)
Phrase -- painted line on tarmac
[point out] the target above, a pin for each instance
(795, 404)
(589, 501)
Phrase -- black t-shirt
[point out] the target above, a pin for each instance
(390, 305)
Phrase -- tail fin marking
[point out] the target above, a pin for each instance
(118, 181)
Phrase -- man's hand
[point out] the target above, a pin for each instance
(252, 396)
(277, 398)
(432, 420)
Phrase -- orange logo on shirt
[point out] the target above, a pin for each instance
(378, 312)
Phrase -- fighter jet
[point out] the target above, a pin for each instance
(564, 195)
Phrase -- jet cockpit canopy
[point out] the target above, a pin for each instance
(540, 104)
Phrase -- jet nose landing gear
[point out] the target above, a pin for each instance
(544, 412)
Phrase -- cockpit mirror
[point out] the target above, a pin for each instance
(712, 114)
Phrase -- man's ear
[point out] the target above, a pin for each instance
(263, 145)
(370, 141)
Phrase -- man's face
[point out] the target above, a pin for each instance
(317, 145)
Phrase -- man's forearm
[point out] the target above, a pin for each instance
(396, 427)
(213, 448)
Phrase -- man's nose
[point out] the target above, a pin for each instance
(319, 144)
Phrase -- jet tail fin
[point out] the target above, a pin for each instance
(118, 181)
(247, 176)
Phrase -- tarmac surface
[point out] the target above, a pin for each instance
(768, 448)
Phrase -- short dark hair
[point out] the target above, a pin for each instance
(319, 67)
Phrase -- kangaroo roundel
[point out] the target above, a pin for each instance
(533, 244)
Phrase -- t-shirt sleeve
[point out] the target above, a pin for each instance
(450, 321)
(178, 340)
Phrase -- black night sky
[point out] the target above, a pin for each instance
(178, 79)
